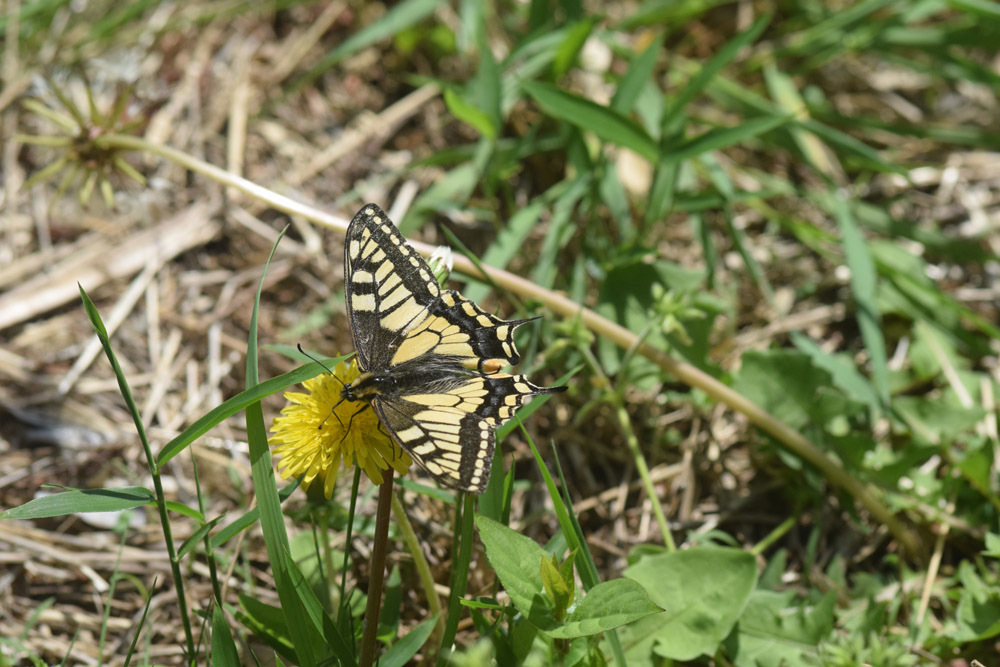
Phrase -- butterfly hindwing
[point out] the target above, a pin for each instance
(456, 327)
(450, 432)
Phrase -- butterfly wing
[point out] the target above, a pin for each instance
(389, 286)
(449, 432)
(398, 312)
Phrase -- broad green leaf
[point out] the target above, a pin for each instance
(775, 631)
(81, 500)
(938, 418)
(558, 591)
(516, 560)
(842, 370)
(789, 386)
(608, 605)
(702, 592)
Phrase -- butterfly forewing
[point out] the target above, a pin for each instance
(389, 286)
(436, 356)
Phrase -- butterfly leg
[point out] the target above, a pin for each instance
(333, 411)
(351, 420)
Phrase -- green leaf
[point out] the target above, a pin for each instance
(305, 637)
(400, 653)
(842, 370)
(702, 591)
(863, 287)
(516, 558)
(249, 518)
(223, 647)
(320, 619)
(723, 137)
(560, 593)
(192, 541)
(789, 386)
(469, 114)
(608, 605)
(267, 623)
(508, 244)
(81, 500)
(774, 631)
(605, 122)
(639, 72)
(567, 52)
(985, 8)
(992, 545)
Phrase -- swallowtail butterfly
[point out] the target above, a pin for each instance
(431, 359)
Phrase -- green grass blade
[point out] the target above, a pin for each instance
(400, 17)
(248, 519)
(606, 123)
(304, 636)
(723, 137)
(240, 402)
(864, 287)
(342, 650)
(192, 541)
(674, 117)
(142, 622)
(82, 500)
(638, 75)
(508, 244)
(400, 653)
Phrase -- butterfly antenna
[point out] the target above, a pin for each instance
(325, 367)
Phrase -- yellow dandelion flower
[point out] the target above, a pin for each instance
(312, 437)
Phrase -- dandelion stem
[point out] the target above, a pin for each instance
(376, 574)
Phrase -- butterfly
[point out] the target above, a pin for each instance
(430, 359)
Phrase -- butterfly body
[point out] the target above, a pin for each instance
(430, 358)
